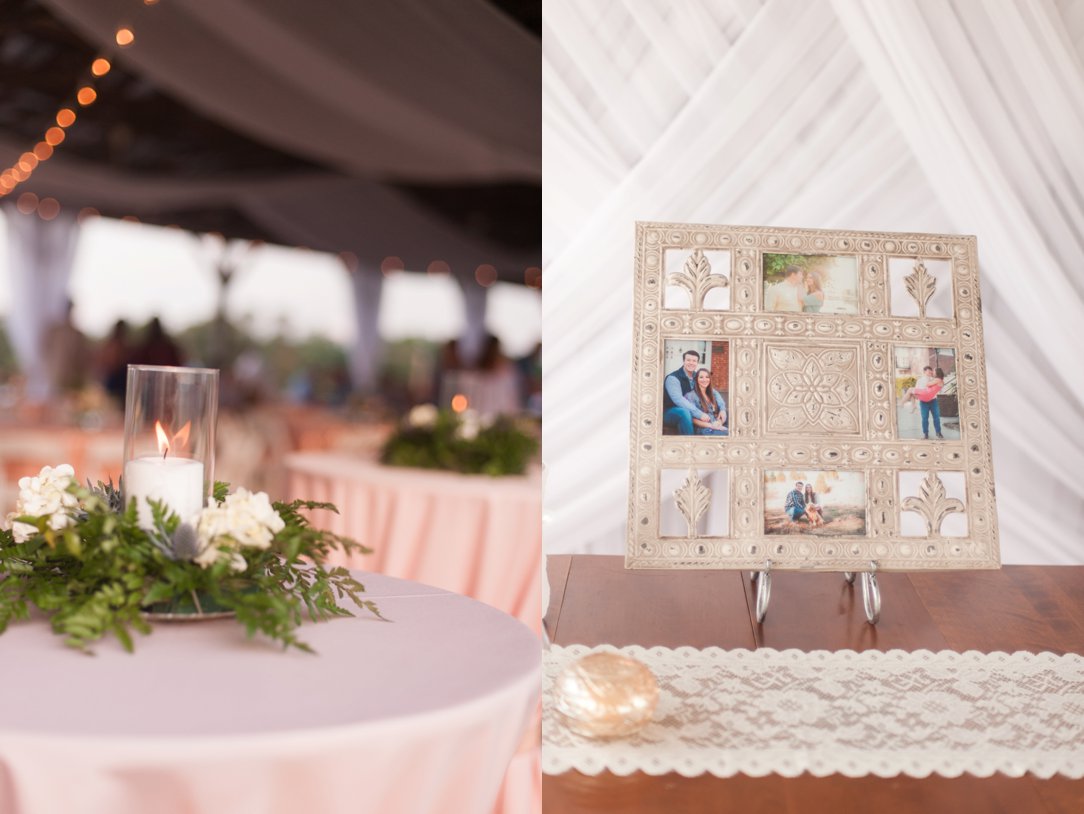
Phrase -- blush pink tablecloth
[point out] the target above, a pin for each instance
(471, 534)
(415, 716)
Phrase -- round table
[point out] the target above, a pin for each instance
(472, 534)
(419, 714)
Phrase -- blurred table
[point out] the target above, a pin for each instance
(24, 450)
(594, 600)
(472, 534)
(417, 715)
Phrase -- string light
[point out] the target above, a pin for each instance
(350, 260)
(391, 265)
(485, 275)
(48, 208)
(21, 169)
(27, 203)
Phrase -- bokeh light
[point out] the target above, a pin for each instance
(485, 275)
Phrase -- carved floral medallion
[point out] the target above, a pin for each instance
(813, 390)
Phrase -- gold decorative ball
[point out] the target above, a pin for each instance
(606, 695)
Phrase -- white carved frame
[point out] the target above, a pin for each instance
(750, 450)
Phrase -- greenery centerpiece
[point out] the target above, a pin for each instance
(464, 442)
(80, 556)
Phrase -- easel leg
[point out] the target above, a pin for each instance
(763, 581)
(871, 592)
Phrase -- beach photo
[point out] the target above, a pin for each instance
(810, 284)
(823, 503)
(926, 404)
(696, 376)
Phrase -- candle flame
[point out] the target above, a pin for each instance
(180, 438)
(163, 438)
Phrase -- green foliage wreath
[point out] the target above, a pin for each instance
(82, 558)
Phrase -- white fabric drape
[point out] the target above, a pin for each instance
(40, 262)
(916, 115)
(389, 88)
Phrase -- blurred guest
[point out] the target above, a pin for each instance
(445, 375)
(529, 368)
(250, 378)
(495, 390)
(157, 348)
(67, 354)
(112, 362)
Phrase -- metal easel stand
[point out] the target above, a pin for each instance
(871, 592)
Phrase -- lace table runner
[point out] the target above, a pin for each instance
(881, 713)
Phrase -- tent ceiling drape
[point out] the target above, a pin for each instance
(917, 115)
(316, 209)
(401, 129)
(374, 88)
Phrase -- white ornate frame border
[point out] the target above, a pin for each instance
(750, 450)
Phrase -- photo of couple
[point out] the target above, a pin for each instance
(819, 503)
(926, 394)
(695, 388)
(810, 284)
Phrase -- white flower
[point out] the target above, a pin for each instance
(469, 426)
(213, 553)
(242, 520)
(45, 495)
(423, 416)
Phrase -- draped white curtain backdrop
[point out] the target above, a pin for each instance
(948, 116)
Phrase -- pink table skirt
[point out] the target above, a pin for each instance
(471, 534)
(418, 715)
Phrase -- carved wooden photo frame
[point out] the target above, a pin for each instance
(816, 399)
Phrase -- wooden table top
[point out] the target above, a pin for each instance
(594, 600)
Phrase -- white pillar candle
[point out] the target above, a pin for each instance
(177, 482)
